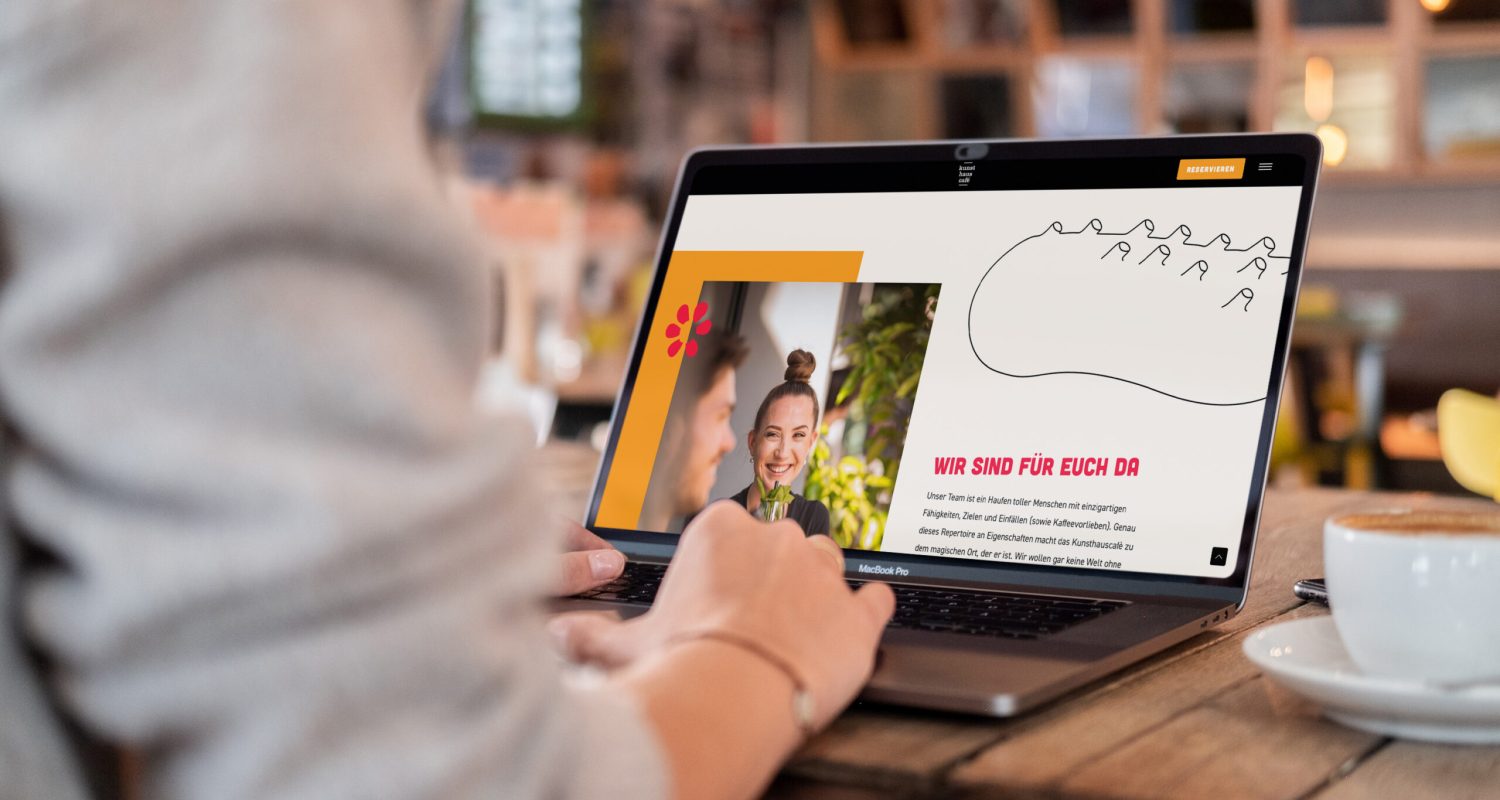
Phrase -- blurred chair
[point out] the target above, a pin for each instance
(1330, 424)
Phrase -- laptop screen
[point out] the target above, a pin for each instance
(1064, 363)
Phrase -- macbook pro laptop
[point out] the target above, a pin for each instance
(1043, 377)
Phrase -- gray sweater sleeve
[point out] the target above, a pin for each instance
(238, 339)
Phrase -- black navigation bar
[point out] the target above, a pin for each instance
(988, 175)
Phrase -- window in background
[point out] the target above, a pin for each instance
(1341, 12)
(1462, 117)
(976, 107)
(977, 23)
(1208, 98)
(1085, 97)
(526, 59)
(1448, 11)
(1093, 17)
(1349, 101)
(1213, 16)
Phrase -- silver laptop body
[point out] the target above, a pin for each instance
(998, 676)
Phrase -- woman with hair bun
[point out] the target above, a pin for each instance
(786, 427)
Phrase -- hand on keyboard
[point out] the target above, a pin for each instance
(769, 583)
(589, 562)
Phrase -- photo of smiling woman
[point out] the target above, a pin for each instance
(821, 392)
(786, 428)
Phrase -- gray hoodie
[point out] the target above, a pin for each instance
(283, 556)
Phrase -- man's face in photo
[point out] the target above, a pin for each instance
(709, 439)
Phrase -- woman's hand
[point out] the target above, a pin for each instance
(722, 715)
(588, 561)
(769, 583)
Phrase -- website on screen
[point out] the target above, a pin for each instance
(1071, 377)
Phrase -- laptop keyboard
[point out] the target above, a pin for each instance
(973, 613)
(637, 585)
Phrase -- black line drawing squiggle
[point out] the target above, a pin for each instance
(1187, 233)
(1161, 248)
(1182, 235)
(1247, 293)
(1264, 240)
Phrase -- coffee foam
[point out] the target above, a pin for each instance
(1431, 523)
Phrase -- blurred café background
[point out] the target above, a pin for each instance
(567, 120)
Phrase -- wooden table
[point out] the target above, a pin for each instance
(1196, 721)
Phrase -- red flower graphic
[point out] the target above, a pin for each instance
(681, 332)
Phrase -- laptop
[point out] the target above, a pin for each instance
(1043, 379)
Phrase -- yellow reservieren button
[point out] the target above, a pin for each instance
(1210, 169)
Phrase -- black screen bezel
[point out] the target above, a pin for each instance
(944, 569)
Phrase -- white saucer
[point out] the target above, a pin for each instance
(1307, 657)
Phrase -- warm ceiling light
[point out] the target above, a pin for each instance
(1435, 6)
(1317, 89)
(1335, 144)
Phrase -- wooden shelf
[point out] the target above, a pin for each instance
(1481, 40)
(1480, 252)
(1409, 39)
(1211, 48)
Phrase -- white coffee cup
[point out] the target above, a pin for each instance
(1416, 595)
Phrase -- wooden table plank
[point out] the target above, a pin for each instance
(894, 747)
(1415, 771)
(1063, 742)
(1255, 741)
(801, 789)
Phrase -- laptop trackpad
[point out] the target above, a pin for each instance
(984, 679)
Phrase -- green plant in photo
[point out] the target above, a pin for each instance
(851, 491)
(775, 502)
(886, 349)
(780, 493)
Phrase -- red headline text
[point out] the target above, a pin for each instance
(1039, 465)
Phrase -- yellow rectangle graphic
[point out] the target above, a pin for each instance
(1210, 169)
